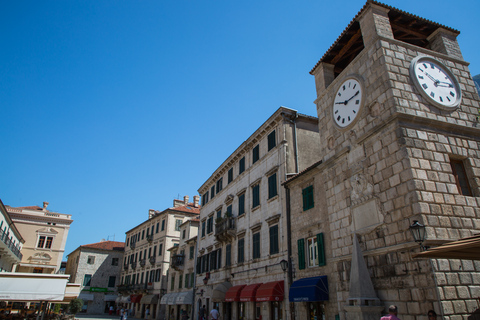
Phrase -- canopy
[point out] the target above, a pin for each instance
(309, 289)
(164, 299)
(149, 299)
(466, 248)
(110, 297)
(218, 294)
(32, 286)
(125, 299)
(270, 291)
(135, 298)
(86, 296)
(233, 293)
(249, 292)
(184, 297)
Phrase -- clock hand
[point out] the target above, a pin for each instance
(433, 79)
(356, 94)
(447, 83)
(343, 102)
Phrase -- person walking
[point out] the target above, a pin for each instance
(392, 313)
(214, 315)
(201, 313)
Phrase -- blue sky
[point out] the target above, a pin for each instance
(111, 108)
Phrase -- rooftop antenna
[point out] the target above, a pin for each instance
(108, 238)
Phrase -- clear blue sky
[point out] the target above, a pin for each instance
(110, 108)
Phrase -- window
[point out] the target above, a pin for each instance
(256, 246)
(274, 239)
(150, 252)
(111, 281)
(256, 196)
(172, 285)
(205, 198)
(212, 191)
(256, 153)
(314, 254)
(203, 228)
(210, 224)
(187, 277)
(163, 224)
(143, 234)
(44, 242)
(192, 277)
(180, 279)
(271, 140)
(219, 213)
(241, 250)
(272, 186)
(156, 229)
(229, 211)
(241, 204)
(307, 195)
(461, 179)
(230, 175)
(114, 261)
(219, 185)
(91, 259)
(184, 233)
(151, 232)
(157, 275)
(160, 249)
(87, 279)
(241, 165)
(178, 222)
(228, 255)
(192, 252)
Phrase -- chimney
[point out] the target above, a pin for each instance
(151, 213)
(185, 200)
(196, 201)
(45, 205)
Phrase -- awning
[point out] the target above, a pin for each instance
(172, 298)
(233, 294)
(32, 286)
(149, 299)
(86, 296)
(164, 299)
(218, 294)
(270, 291)
(249, 292)
(466, 248)
(135, 298)
(125, 299)
(184, 298)
(118, 300)
(110, 297)
(309, 289)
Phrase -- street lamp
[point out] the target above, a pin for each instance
(418, 232)
(284, 265)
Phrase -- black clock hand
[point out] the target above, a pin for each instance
(356, 94)
(343, 102)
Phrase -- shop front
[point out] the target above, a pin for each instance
(272, 293)
(309, 296)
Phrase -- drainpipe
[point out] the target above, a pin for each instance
(195, 279)
(289, 250)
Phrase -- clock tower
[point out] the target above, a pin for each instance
(397, 113)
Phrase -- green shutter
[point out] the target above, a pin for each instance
(301, 254)
(321, 250)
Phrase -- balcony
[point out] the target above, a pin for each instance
(134, 265)
(8, 246)
(125, 266)
(132, 245)
(177, 261)
(142, 263)
(152, 260)
(225, 229)
(149, 237)
(125, 287)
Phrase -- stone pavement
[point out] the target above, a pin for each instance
(83, 316)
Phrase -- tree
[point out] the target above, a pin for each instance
(75, 306)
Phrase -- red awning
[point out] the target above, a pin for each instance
(248, 293)
(233, 293)
(135, 298)
(270, 291)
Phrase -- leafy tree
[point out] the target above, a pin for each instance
(75, 306)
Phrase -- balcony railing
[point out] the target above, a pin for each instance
(225, 229)
(178, 260)
(152, 259)
(9, 243)
(132, 245)
(149, 237)
(125, 266)
(134, 265)
(142, 263)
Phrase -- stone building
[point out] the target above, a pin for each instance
(96, 267)
(45, 233)
(243, 229)
(181, 275)
(11, 241)
(399, 143)
(146, 261)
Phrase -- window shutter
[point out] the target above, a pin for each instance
(321, 250)
(301, 254)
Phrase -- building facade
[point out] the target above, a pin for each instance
(45, 233)
(11, 241)
(243, 227)
(181, 275)
(96, 267)
(399, 144)
(147, 260)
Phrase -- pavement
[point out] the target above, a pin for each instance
(84, 316)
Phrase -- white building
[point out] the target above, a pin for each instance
(11, 242)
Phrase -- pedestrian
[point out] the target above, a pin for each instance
(214, 315)
(147, 313)
(110, 311)
(121, 313)
(201, 313)
(432, 315)
(125, 315)
(392, 313)
(184, 315)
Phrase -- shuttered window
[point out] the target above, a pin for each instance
(301, 254)
(307, 195)
(255, 196)
(241, 252)
(272, 186)
(321, 250)
(256, 245)
(274, 239)
(271, 140)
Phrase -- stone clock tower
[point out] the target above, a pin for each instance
(400, 142)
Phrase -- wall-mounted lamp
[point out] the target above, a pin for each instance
(418, 232)
(284, 265)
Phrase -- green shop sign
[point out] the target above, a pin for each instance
(96, 289)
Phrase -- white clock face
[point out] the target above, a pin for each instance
(435, 82)
(348, 101)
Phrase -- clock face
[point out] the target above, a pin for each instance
(435, 83)
(347, 103)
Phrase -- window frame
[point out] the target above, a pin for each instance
(308, 199)
(272, 186)
(272, 140)
(256, 195)
(256, 247)
(255, 153)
